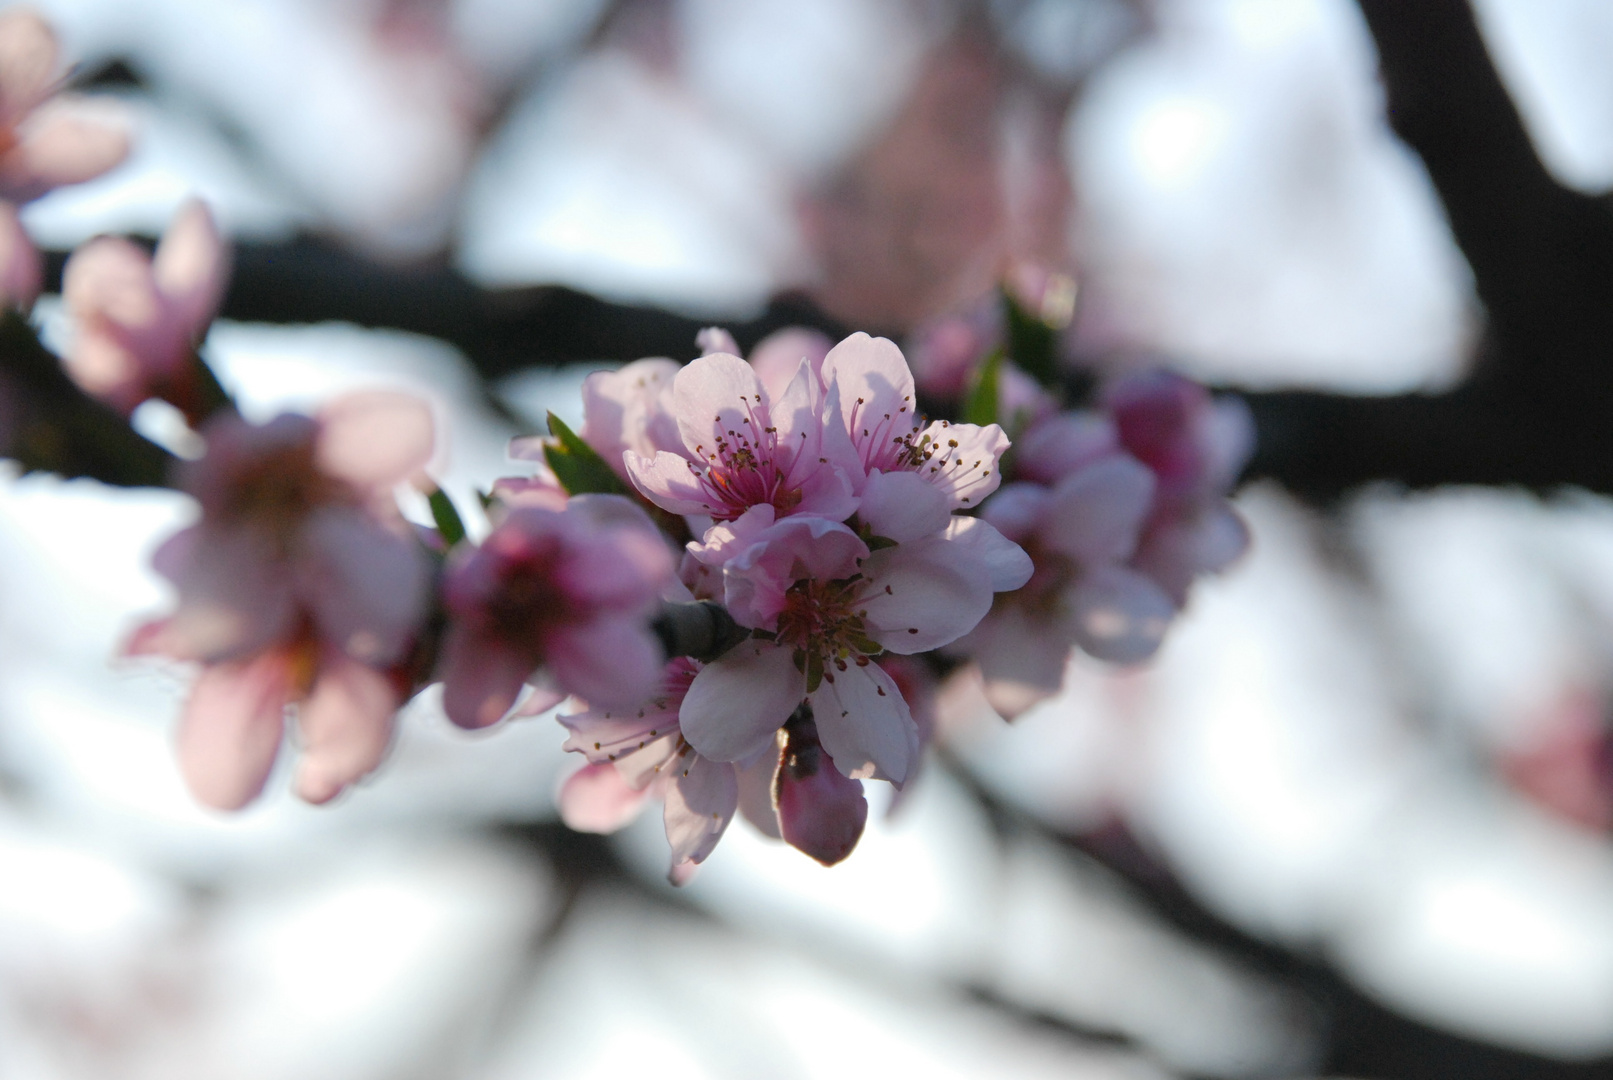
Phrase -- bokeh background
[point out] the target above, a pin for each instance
(1353, 821)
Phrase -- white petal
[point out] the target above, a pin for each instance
(902, 506)
(1095, 515)
(738, 701)
(864, 724)
(1120, 615)
(699, 805)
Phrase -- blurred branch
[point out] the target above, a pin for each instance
(501, 331)
(48, 424)
(1536, 410)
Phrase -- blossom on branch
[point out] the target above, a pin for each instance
(639, 752)
(571, 591)
(140, 317)
(742, 447)
(47, 139)
(301, 586)
(826, 605)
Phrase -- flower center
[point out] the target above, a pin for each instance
(743, 469)
(823, 626)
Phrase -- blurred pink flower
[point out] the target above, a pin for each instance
(46, 139)
(740, 447)
(140, 317)
(826, 605)
(21, 268)
(776, 357)
(640, 752)
(571, 591)
(1195, 446)
(1080, 533)
(301, 584)
(629, 409)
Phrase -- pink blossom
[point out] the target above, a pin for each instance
(640, 752)
(777, 356)
(572, 591)
(627, 409)
(870, 381)
(742, 447)
(21, 268)
(1080, 533)
(826, 605)
(46, 139)
(1195, 446)
(139, 318)
(301, 584)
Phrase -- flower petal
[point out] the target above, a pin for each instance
(923, 595)
(481, 677)
(1119, 615)
(1006, 563)
(609, 662)
(190, 267)
(700, 803)
(346, 725)
(376, 439)
(1094, 516)
(67, 140)
(965, 466)
(595, 799)
(864, 724)
(738, 701)
(902, 506)
(366, 585)
(229, 733)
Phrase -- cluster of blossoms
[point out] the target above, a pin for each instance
(747, 575)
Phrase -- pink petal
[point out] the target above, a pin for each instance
(865, 725)
(699, 805)
(902, 506)
(966, 466)
(669, 481)
(595, 799)
(1063, 444)
(376, 439)
(778, 356)
(1021, 658)
(234, 598)
(366, 585)
(715, 395)
(346, 725)
(1228, 438)
(738, 701)
(923, 595)
(1006, 564)
(229, 733)
(820, 812)
(1119, 615)
(1017, 510)
(628, 409)
(28, 59)
(874, 371)
(481, 677)
(1094, 516)
(714, 339)
(66, 141)
(190, 267)
(608, 662)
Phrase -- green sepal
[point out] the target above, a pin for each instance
(449, 524)
(1032, 343)
(980, 407)
(578, 466)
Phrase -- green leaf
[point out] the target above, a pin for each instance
(980, 407)
(578, 466)
(1032, 343)
(446, 516)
